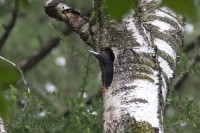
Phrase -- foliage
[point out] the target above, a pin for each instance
(117, 10)
(184, 7)
(9, 75)
(37, 117)
(182, 114)
(28, 112)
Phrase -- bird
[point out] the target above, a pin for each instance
(106, 58)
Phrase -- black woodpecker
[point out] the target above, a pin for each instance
(106, 58)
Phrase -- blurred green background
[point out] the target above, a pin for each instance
(68, 78)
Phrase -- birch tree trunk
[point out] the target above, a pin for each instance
(146, 59)
(2, 126)
(147, 45)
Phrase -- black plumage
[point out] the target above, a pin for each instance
(106, 58)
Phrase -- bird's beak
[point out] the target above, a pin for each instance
(94, 53)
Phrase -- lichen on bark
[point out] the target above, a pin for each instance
(147, 45)
(128, 124)
(148, 50)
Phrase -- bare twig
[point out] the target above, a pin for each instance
(58, 105)
(86, 75)
(22, 75)
(8, 28)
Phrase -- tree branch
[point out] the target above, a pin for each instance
(38, 55)
(184, 76)
(74, 18)
(192, 44)
(8, 28)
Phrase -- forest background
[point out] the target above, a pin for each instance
(64, 79)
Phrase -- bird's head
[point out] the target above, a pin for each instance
(104, 56)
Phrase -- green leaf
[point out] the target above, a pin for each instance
(184, 7)
(117, 8)
(3, 106)
(8, 73)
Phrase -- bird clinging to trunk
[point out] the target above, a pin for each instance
(106, 58)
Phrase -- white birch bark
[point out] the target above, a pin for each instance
(147, 45)
(2, 126)
(143, 70)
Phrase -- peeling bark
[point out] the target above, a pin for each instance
(74, 18)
